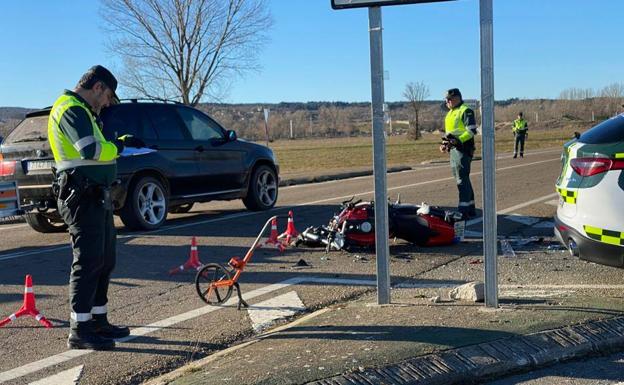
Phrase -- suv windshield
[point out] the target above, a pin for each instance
(609, 131)
(33, 129)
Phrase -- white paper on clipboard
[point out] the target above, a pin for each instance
(132, 151)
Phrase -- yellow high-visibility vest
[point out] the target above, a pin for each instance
(67, 154)
(454, 124)
(519, 125)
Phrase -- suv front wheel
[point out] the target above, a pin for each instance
(262, 193)
(146, 205)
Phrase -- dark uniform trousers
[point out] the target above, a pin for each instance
(520, 137)
(93, 240)
(460, 167)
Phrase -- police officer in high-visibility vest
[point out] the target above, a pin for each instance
(521, 132)
(85, 169)
(460, 128)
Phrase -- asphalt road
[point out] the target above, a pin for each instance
(170, 324)
(594, 371)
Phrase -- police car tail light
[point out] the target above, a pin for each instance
(593, 166)
(7, 167)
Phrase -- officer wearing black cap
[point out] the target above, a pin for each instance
(460, 128)
(85, 168)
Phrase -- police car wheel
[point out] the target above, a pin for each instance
(146, 204)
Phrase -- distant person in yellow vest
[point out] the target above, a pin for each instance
(521, 132)
(460, 128)
(86, 167)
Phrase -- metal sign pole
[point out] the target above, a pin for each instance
(266, 125)
(488, 155)
(379, 156)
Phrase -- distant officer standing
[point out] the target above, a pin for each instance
(86, 167)
(520, 130)
(460, 128)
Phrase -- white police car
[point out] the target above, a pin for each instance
(590, 216)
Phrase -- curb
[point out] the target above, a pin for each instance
(336, 176)
(470, 364)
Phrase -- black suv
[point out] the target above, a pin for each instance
(195, 160)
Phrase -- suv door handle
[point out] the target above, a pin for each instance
(199, 148)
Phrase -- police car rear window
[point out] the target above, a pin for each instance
(609, 131)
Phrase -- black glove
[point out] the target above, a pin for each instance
(131, 141)
(452, 142)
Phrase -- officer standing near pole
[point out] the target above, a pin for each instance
(521, 132)
(86, 167)
(460, 128)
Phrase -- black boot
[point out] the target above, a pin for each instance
(103, 328)
(82, 336)
(515, 156)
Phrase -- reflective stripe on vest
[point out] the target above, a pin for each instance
(454, 124)
(67, 154)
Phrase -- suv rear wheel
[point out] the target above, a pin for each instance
(146, 205)
(262, 193)
(45, 223)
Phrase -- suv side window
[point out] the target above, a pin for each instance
(166, 122)
(121, 120)
(199, 125)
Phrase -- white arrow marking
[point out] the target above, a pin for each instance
(265, 313)
(67, 377)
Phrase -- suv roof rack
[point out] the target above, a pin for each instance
(136, 100)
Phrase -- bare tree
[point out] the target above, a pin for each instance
(416, 93)
(577, 93)
(185, 49)
(613, 91)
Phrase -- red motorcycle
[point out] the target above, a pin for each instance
(354, 226)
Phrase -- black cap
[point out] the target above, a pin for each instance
(453, 92)
(100, 73)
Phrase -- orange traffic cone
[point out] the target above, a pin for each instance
(272, 241)
(291, 233)
(28, 308)
(192, 263)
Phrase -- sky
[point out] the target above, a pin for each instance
(315, 53)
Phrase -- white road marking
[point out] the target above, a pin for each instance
(554, 202)
(534, 293)
(513, 208)
(523, 219)
(264, 314)
(67, 377)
